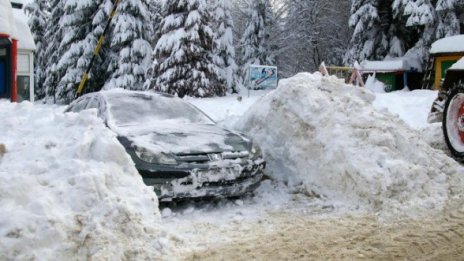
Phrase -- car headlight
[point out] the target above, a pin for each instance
(155, 158)
(255, 151)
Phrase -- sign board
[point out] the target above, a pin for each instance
(262, 77)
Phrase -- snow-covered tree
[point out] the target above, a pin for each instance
(317, 31)
(369, 40)
(450, 20)
(53, 34)
(255, 44)
(225, 56)
(155, 10)
(184, 53)
(414, 27)
(79, 39)
(39, 14)
(130, 52)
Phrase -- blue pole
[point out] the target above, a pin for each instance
(405, 80)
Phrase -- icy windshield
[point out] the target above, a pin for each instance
(138, 108)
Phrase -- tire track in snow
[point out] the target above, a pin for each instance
(300, 237)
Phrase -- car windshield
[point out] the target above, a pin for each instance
(138, 108)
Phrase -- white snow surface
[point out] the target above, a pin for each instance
(329, 138)
(391, 65)
(23, 32)
(70, 192)
(7, 25)
(450, 44)
(374, 85)
(412, 107)
(459, 65)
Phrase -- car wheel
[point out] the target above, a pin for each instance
(453, 122)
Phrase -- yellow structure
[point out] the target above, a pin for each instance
(442, 64)
(340, 71)
(446, 52)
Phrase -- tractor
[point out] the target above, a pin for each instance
(448, 109)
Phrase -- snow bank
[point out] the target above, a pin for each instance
(69, 191)
(328, 138)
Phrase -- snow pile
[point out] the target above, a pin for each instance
(375, 85)
(328, 138)
(68, 190)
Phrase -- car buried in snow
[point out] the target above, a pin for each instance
(176, 148)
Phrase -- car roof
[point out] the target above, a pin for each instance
(111, 92)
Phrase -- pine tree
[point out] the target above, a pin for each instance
(79, 39)
(39, 12)
(369, 40)
(448, 20)
(225, 56)
(155, 10)
(130, 52)
(184, 53)
(414, 27)
(255, 42)
(53, 34)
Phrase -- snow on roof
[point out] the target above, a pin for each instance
(459, 65)
(13, 22)
(452, 44)
(23, 32)
(6, 18)
(393, 65)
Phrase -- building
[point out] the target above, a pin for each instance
(16, 53)
(443, 54)
(396, 73)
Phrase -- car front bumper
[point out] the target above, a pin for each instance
(228, 181)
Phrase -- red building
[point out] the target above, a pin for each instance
(16, 53)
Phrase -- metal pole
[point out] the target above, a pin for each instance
(85, 77)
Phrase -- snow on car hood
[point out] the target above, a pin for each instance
(177, 138)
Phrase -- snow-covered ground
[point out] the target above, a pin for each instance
(331, 148)
(349, 150)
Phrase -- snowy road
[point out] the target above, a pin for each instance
(305, 228)
(301, 237)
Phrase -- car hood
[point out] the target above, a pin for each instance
(184, 138)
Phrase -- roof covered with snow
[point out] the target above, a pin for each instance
(13, 22)
(392, 65)
(452, 44)
(23, 32)
(6, 18)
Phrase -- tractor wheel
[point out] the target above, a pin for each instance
(453, 122)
